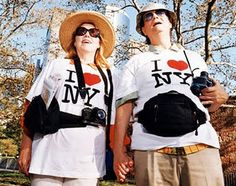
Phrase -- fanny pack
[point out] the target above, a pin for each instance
(171, 114)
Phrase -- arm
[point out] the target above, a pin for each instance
(25, 154)
(215, 96)
(122, 162)
(26, 146)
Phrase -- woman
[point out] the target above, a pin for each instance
(75, 153)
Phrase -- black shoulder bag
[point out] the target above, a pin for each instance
(38, 119)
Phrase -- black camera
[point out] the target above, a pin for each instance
(94, 116)
(201, 82)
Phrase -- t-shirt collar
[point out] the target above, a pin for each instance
(157, 49)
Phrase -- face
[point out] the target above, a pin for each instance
(87, 38)
(156, 21)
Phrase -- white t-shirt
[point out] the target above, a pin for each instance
(70, 152)
(158, 71)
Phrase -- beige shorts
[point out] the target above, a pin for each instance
(202, 168)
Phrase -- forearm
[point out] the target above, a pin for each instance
(26, 142)
(122, 162)
(123, 115)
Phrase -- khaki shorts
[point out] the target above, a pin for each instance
(201, 168)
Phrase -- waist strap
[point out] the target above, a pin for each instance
(72, 121)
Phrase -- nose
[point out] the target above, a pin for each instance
(155, 15)
(87, 34)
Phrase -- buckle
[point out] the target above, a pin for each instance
(180, 151)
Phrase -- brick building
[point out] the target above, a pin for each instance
(224, 121)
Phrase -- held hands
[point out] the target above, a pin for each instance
(123, 164)
(214, 96)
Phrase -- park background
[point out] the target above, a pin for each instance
(29, 39)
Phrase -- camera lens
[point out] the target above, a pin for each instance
(101, 114)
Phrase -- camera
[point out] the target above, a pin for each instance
(94, 116)
(201, 82)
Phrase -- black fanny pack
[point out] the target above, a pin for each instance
(171, 114)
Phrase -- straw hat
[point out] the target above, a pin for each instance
(71, 23)
(150, 7)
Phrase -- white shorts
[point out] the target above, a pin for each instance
(39, 180)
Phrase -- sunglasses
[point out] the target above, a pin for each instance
(93, 32)
(150, 15)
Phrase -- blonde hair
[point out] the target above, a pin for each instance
(99, 58)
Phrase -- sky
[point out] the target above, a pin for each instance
(132, 15)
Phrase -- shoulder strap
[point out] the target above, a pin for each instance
(109, 109)
(188, 62)
(106, 96)
(80, 77)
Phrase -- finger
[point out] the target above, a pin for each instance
(120, 172)
(123, 171)
(121, 178)
(131, 163)
(207, 102)
(122, 167)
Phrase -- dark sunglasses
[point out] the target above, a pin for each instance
(93, 32)
(150, 15)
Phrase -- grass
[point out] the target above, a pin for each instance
(15, 178)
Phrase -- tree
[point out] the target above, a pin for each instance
(15, 18)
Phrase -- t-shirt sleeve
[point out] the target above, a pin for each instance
(126, 87)
(37, 86)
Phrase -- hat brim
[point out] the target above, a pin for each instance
(71, 23)
(173, 17)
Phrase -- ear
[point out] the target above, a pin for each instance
(170, 24)
(144, 31)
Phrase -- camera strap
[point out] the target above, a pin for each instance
(107, 97)
(80, 77)
(110, 97)
(188, 63)
(108, 101)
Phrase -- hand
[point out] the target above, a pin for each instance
(123, 164)
(214, 96)
(24, 161)
(25, 154)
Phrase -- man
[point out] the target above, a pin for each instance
(173, 140)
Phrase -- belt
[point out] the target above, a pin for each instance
(182, 150)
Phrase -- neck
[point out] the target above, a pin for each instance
(162, 40)
(86, 58)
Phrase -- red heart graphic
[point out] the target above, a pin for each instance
(91, 79)
(179, 65)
